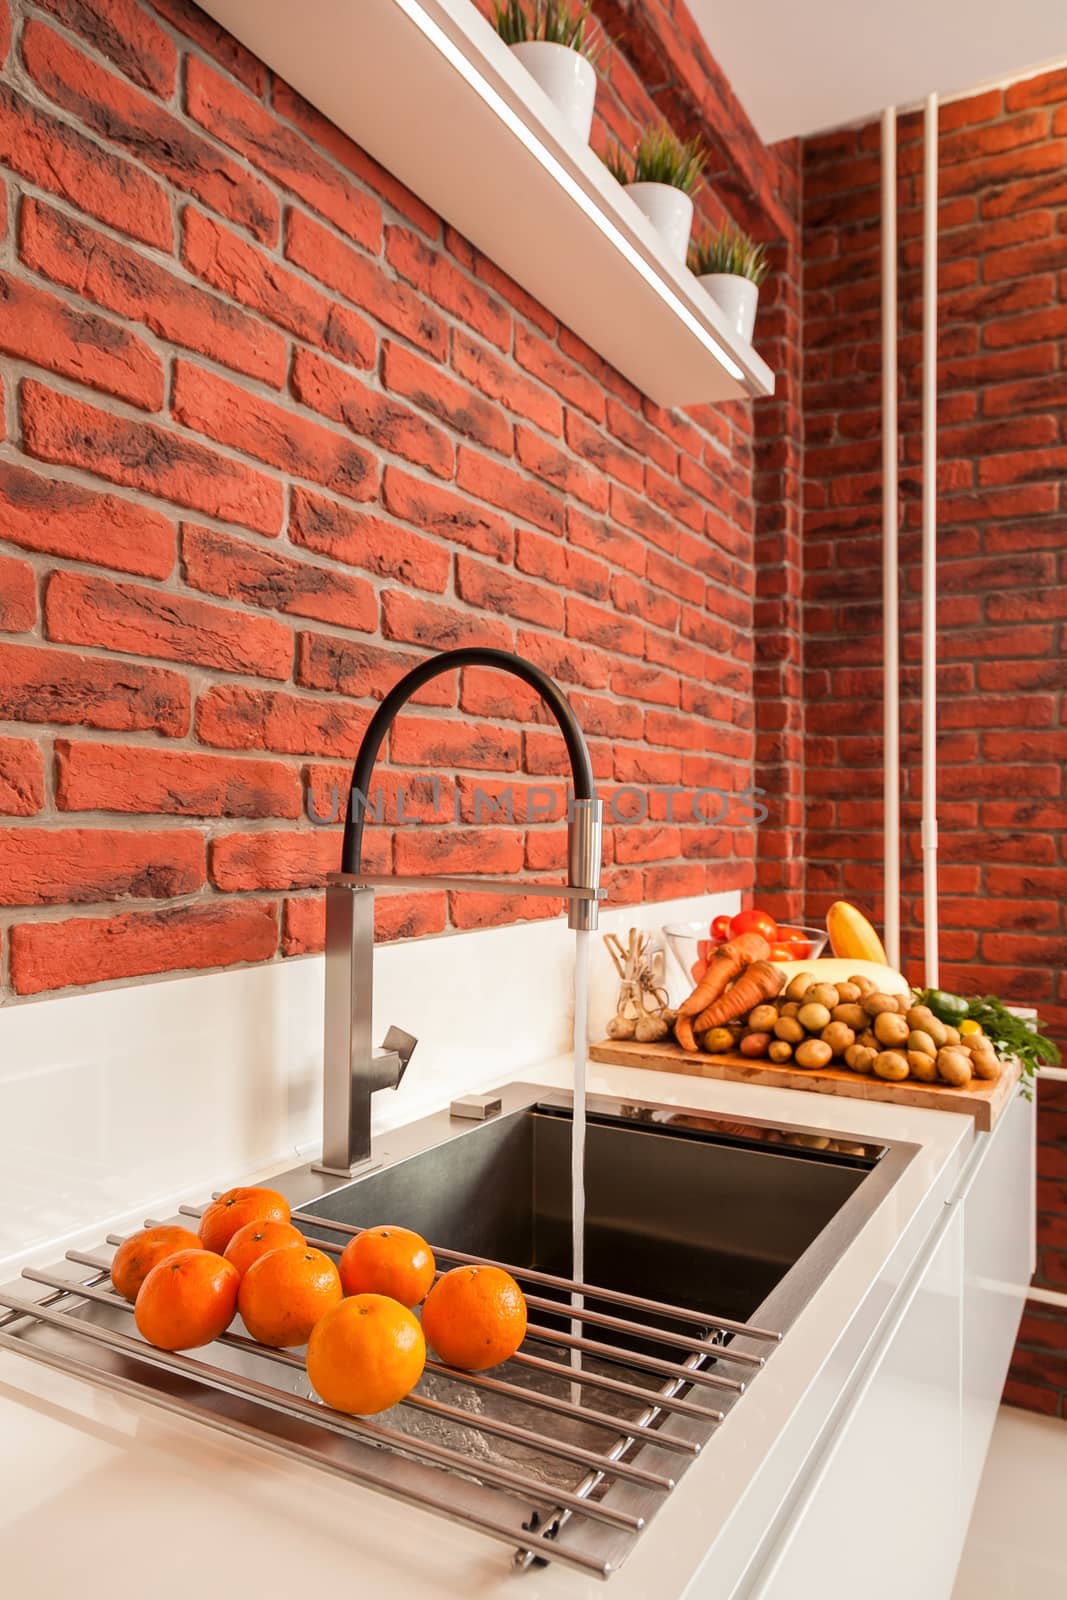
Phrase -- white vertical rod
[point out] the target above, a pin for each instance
(890, 524)
(929, 549)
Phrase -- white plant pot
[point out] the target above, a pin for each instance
(737, 297)
(568, 79)
(669, 210)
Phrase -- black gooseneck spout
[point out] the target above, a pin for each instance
(353, 1070)
(410, 683)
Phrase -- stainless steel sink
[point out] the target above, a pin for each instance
(677, 1209)
(704, 1240)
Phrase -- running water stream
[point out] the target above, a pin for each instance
(581, 1039)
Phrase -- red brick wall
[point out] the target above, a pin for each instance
(1002, 571)
(271, 433)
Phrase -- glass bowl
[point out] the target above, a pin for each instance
(690, 942)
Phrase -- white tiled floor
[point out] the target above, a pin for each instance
(1017, 1545)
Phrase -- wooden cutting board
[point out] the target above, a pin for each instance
(984, 1101)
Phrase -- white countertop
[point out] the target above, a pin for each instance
(102, 1494)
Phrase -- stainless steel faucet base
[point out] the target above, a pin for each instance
(360, 1169)
(352, 1069)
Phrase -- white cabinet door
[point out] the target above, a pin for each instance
(998, 1215)
(883, 1514)
(888, 1505)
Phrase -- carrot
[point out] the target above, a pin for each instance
(683, 1032)
(726, 964)
(761, 981)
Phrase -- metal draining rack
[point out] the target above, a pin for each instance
(577, 1488)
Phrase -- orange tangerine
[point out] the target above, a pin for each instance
(390, 1261)
(366, 1354)
(187, 1300)
(233, 1209)
(286, 1292)
(255, 1239)
(475, 1317)
(137, 1255)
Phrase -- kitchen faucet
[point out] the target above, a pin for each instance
(353, 1070)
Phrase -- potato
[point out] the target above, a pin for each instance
(891, 1065)
(874, 1004)
(919, 1039)
(923, 1019)
(790, 1029)
(987, 1064)
(823, 994)
(839, 1036)
(780, 1050)
(755, 1044)
(954, 1066)
(813, 1016)
(800, 986)
(716, 1040)
(848, 994)
(789, 1009)
(763, 1018)
(890, 1029)
(865, 985)
(813, 1053)
(859, 1058)
(952, 1035)
(922, 1066)
(868, 1040)
(851, 1014)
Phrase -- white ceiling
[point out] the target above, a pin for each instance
(798, 68)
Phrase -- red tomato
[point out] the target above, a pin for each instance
(784, 952)
(798, 942)
(754, 922)
(697, 970)
(720, 928)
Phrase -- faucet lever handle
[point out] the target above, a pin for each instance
(403, 1046)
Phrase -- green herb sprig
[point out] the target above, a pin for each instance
(1014, 1036)
(659, 156)
(547, 21)
(729, 249)
(619, 165)
(1011, 1035)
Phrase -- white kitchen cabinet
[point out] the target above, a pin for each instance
(886, 1505)
(998, 1259)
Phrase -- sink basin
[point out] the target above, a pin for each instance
(704, 1240)
(678, 1209)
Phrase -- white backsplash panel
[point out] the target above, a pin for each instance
(120, 1100)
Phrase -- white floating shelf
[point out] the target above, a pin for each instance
(429, 90)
